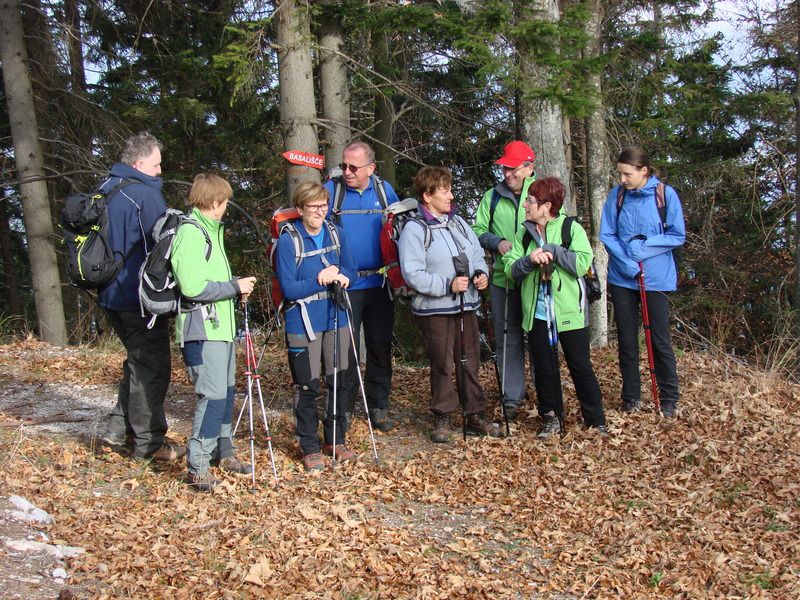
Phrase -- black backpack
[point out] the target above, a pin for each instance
(158, 291)
(593, 289)
(91, 263)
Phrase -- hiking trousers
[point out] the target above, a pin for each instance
(547, 378)
(626, 314)
(442, 336)
(375, 310)
(145, 378)
(513, 376)
(212, 369)
(306, 359)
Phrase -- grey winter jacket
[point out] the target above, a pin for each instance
(430, 271)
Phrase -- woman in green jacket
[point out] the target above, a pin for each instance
(555, 307)
(206, 334)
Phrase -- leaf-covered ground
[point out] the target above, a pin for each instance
(705, 506)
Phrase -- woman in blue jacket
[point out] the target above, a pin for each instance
(312, 255)
(642, 224)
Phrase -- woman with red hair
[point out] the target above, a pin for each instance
(555, 306)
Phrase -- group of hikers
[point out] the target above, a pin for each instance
(332, 275)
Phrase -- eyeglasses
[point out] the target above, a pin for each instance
(317, 208)
(352, 168)
(531, 200)
(507, 170)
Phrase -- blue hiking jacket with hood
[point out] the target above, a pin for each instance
(640, 217)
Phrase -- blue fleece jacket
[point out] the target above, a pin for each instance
(363, 230)
(132, 212)
(300, 281)
(639, 217)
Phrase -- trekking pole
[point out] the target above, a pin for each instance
(493, 350)
(648, 339)
(349, 310)
(552, 336)
(335, 369)
(254, 380)
(461, 266)
(505, 351)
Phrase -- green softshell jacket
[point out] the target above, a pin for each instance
(508, 215)
(570, 300)
(208, 282)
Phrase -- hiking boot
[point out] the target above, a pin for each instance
(477, 424)
(202, 483)
(550, 427)
(116, 440)
(630, 406)
(511, 413)
(380, 419)
(343, 453)
(601, 430)
(668, 409)
(313, 462)
(441, 429)
(231, 464)
(168, 453)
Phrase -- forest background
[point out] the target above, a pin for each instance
(229, 85)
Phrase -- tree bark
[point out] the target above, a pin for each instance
(334, 91)
(796, 100)
(29, 163)
(298, 106)
(384, 111)
(542, 120)
(597, 176)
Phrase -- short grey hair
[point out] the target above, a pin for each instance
(359, 145)
(138, 147)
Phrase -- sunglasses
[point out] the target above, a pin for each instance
(352, 168)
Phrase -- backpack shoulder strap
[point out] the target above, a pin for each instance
(380, 191)
(493, 206)
(620, 198)
(339, 192)
(334, 233)
(426, 230)
(289, 228)
(186, 220)
(661, 203)
(566, 232)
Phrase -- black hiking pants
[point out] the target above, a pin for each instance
(145, 379)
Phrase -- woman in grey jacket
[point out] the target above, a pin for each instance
(442, 261)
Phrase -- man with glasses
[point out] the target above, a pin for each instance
(358, 198)
(499, 216)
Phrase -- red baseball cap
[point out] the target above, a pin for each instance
(515, 153)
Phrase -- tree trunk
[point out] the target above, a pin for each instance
(72, 17)
(13, 304)
(29, 163)
(542, 121)
(334, 91)
(597, 170)
(384, 111)
(796, 100)
(298, 106)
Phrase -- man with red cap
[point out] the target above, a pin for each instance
(500, 214)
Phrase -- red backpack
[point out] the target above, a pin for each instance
(283, 221)
(396, 216)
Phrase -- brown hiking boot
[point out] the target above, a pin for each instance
(441, 429)
(202, 483)
(380, 419)
(313, 462)
(478, 424)
(234, 465)
(343, 453)
(168, 453)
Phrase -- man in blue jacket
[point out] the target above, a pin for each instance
(138, 419)
(357, 201)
